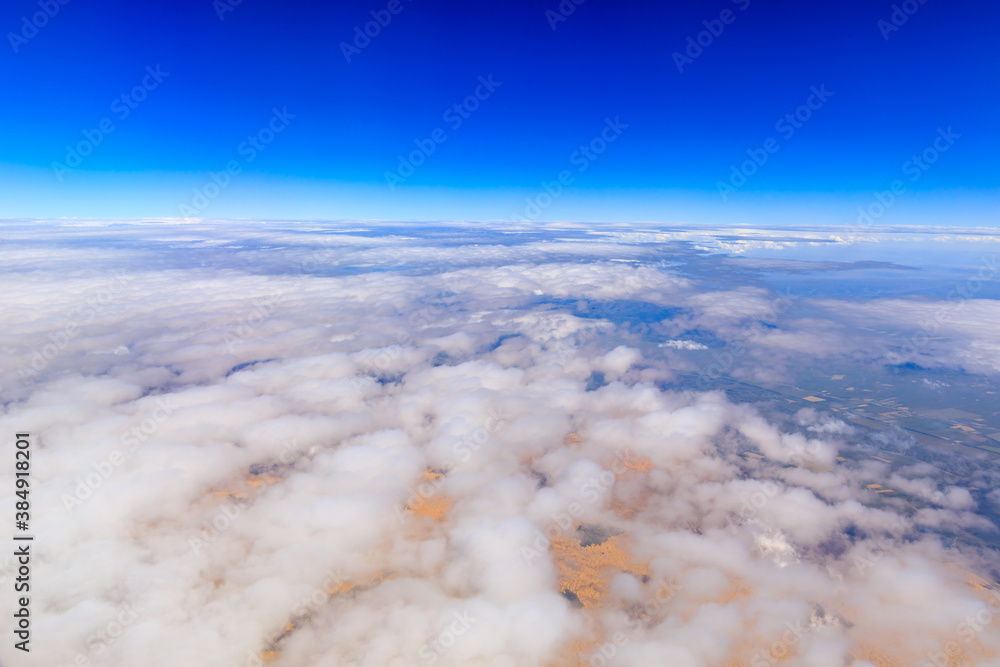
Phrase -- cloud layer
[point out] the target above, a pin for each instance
(275, 444)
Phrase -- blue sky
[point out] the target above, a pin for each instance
(311, 128)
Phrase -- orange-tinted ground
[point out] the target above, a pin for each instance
(585, 574)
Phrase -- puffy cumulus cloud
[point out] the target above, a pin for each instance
(356, 466)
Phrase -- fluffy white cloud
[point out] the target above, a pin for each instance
(304, 459)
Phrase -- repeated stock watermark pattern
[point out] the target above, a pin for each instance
(363, 37)
(725, 360)
(263, 309)
(31, 25)
(249, 149)
(565, 9)
(122, 107)
(314, 601)
(130, 440)
(625, 286)
(714, 28)
(751, 506)
(954, 653)
(454, 116)
(901, 13)
(787, 125)
(581, 158)
(380, 360)
(222, 519)
(82, 315)
(334, 582)
(783, 649)
(915, 168)
(300, 611)
(666, 590)
(223, 7)
(462, 451)
(875, 550)
(589, 492)
(956, 300)
(966, 630)
(101, 640)
(895, 441)
(439, 645)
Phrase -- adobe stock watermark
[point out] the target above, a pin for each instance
(957, 297)
(749, 507)
(454, 116)
(782, 649)
(264, 307)
(462, 450)
(223, 7)
(121, 107)
(625, 287)
(100, 641)
(901, 13)
(309, 604)
(965, 633)
(382, 359)
(254, 659)
(444, 640)
(876, 550)
(581, 158)
(787, 125)
(38, 20)
(362, 38)
(590, 492)
(714, 28)
(304, 608)
(665, 592)
(565, 9)
(915, 168)
(261, 312)
(221, 520)
(724, 362)
(894, 441)
(130, 440)
(249, 149)
(79, 317)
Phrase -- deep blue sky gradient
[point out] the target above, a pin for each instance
(608, 59)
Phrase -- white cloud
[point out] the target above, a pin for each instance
(683, 345)
(406, 465)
